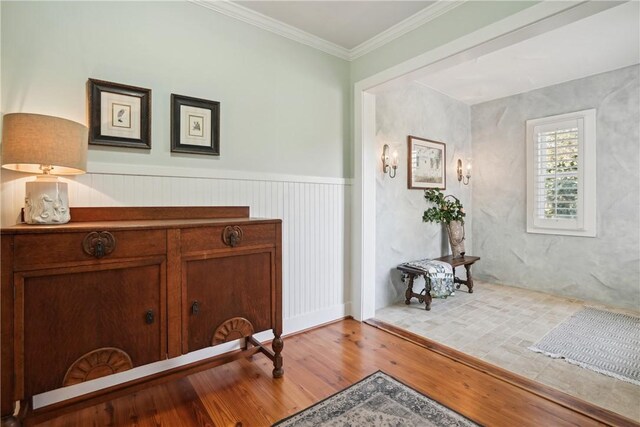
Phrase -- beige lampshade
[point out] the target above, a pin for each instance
(32, 140)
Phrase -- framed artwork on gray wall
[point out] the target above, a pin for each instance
(119, 115)
(195, 125)
(427, 164)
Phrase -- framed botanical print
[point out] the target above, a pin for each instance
(195, 125)
(119, 115)
(427, 164)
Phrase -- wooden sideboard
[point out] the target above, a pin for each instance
(118, 288)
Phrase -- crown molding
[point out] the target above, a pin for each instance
(257, 19)
(403, 27)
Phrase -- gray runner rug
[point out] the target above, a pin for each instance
(605, 342)
(378, 400)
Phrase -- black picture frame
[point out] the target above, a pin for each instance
(133, 105)
(203, 120)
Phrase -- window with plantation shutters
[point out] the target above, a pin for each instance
(557, 155)
(561, 174)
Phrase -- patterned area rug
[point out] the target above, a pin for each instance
(602, 341)
(378, 400)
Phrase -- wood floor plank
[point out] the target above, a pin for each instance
(172, 404)
(546, 392)
(319, 363)
(234, 387)
(485, 399)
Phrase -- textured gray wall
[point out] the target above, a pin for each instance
(605, 268)
(400, 233)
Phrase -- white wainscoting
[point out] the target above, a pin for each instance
(314, 213)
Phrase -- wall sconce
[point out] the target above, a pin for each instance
(468, 173)
(386, 167)
(47, 146)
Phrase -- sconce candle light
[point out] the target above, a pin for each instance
(468, 173)
(386, 167)
(45, 145)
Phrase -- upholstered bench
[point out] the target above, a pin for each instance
(438, 280)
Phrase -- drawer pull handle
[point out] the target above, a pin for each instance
(99, 249)
(149, 317)
(195, 308)
(99, 244)
(232, 235)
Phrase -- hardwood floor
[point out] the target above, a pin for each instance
(319, 363)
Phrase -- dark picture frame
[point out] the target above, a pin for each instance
(426, 164)
(119, 115)
(195, 125)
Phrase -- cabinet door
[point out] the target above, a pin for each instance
(224, 287)
(115, 312)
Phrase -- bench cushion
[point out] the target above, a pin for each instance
(440, 276)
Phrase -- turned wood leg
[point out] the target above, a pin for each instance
(427, 293)
(409, 292)
(469, 279)
(427, 301)
(277, 346)
(455, 282)
(15, 420)
(10, 421)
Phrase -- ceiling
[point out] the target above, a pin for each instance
(602, 42)
(345, 23)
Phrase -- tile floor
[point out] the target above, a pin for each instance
(497, 323)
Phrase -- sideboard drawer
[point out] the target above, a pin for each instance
(35, 250)
(225, 237)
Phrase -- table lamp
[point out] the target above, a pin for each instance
(46, 145)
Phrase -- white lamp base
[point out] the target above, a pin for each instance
(46, 201)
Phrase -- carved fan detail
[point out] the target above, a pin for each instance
(96, 364)
(232, 329)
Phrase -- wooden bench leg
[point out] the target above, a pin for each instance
(427, 293)
(456, 281)
(427, 301)
(426, 298)
(469, 278)
(409, 293)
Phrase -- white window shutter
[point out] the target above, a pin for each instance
(560, 156)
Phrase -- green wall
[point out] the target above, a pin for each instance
(285, 107)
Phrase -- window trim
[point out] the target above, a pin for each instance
(585, 225)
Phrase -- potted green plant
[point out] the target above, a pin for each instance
(449, 211)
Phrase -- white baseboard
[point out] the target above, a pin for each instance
(309, 320)
(290, 326)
